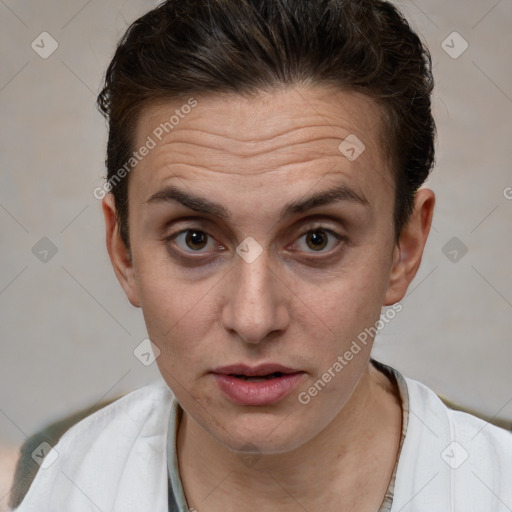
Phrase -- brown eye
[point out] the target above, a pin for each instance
(317, 239)
(191, 240)
(196, 240)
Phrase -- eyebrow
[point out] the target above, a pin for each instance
(337, 193)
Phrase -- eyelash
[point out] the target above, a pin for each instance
(310, 229)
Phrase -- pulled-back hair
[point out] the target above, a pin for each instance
(185, 47)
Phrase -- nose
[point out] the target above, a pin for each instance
(255, 305)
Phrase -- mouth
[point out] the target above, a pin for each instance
(265, 384)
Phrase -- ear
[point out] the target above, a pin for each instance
(120, 255)
(407, 254)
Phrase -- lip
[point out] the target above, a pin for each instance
(259, 393)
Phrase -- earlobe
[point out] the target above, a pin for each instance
(118, 252)
(407, 255)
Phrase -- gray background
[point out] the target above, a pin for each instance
(68, 332)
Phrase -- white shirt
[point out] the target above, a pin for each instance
(116, 460)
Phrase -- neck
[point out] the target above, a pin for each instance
(341, 461)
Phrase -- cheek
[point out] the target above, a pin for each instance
(344, 312)
(351, 300)
(175, 311)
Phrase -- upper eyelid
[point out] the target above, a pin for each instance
(312, 225)
(317, 221)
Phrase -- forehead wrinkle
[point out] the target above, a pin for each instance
(251, 140)
(311, 131)
(283, 160)
(251, 112)
(177, 147)
(235, 128)
(177, 142)
(211, 168)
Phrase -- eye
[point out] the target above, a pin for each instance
(195, 240)
(191, 240)
(318, 238)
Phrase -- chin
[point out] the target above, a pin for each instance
(262, 438)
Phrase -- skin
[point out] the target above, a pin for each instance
(298, 304)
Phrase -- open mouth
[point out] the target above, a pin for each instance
(258, 378)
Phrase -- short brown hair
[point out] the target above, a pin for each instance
(186, 47)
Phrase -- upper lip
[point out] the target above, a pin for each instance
(254, 371)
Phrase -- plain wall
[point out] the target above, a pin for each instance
(68, 331)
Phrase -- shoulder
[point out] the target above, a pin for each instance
(124, 416)
(451, 458)
(426, 405)
(89, 430)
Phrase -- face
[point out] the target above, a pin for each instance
(234, 263)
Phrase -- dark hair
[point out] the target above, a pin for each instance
(186, 47)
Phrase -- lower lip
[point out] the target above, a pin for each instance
(265, 392)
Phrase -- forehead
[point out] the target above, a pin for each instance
(272, 143)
